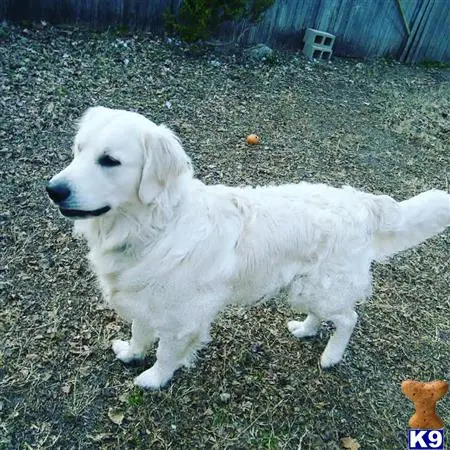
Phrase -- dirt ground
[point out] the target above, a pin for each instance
(378, 126)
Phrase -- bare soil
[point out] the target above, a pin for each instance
(377, 125)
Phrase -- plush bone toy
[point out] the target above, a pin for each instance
(425, 396)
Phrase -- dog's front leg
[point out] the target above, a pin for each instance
(142, 337)
(173, 352)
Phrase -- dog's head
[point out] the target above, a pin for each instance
(119, 157)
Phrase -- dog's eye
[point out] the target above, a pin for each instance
(108, 161)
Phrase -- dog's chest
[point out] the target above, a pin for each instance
(112, 266)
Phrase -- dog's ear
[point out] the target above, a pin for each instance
(164, 161)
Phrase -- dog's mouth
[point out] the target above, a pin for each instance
(80, 214)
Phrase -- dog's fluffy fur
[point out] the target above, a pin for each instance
(171, 252)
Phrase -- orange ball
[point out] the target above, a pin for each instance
(252, 139)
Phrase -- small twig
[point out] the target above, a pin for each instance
(259, 417)
(233, 41)
(301, 439)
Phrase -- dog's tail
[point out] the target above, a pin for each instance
(402, 225)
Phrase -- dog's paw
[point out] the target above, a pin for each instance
(299, 330)
(124, 352)
(152, 379)
(328, 359)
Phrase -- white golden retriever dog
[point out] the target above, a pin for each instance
(171, 252)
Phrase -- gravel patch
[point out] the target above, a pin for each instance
(377, 125)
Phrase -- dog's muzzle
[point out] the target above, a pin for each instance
(60, 192)
(80, 214)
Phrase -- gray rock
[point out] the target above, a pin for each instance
(259, 52)
(225, 397)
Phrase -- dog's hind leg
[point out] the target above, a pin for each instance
(142, 338)
(334, 351)
(307, 328)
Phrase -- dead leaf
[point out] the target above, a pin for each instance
(350, 443)
(116, 416)
(100, 437)
(66, 388)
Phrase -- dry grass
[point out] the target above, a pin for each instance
(379, 126)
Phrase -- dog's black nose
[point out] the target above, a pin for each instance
(58, 192)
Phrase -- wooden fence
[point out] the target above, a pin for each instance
(408, 30)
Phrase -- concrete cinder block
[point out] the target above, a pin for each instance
(318, 44)
(317, 52)
(317, 37)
